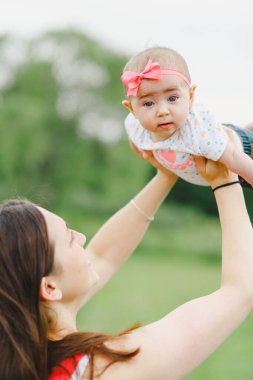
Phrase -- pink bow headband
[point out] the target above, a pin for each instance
(132, 80)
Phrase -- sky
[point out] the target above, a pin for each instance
(214, 36)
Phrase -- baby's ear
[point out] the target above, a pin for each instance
(128, 105)
(192, 93)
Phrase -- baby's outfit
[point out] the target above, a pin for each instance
(201, 135)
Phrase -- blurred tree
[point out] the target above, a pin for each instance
(61, 124)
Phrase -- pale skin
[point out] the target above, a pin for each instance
(173, 346)
(99, 261)
(162, 106)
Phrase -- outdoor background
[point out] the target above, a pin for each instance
(62, 142)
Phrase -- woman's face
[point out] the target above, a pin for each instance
(73, 273)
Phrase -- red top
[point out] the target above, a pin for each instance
(71, 368)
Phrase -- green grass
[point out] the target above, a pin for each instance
(179, 259)
(147, 288)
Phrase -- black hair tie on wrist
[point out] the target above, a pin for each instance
(225, 184)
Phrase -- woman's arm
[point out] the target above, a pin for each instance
(175, 345)
(120, 235)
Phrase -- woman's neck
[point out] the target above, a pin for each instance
(62, 321)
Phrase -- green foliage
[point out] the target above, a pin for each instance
(61, 124)
(63, 145)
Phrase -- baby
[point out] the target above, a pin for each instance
(164, 119)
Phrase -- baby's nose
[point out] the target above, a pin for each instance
(163, 109)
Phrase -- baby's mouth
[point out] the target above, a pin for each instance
(165, 125)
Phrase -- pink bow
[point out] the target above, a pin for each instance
(152, 70)
(132, 80)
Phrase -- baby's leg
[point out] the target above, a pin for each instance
(246, 136)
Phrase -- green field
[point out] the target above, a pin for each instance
(54, 150)
(157, 280)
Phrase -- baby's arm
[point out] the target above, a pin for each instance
(237, 161)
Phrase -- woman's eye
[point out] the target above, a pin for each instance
(173, 99)
(148, 104)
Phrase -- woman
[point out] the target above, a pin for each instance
(46, 276)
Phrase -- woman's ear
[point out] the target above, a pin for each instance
(192, 93)
(49, 290)
(128, 106)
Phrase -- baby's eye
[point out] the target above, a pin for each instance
(148, 104)
(173, 99)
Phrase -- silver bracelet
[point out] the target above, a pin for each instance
(149, 218)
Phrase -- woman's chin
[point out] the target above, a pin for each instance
(96, 278)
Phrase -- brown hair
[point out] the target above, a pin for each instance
(25, 257)
(166, 57)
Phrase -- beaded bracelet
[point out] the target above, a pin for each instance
(225, 184)
(149, 218)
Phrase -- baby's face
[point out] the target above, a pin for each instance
(162, 106)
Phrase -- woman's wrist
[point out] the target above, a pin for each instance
(214, 172)
(149, 218)
(225, 185)
(223, 179)
(150, 198)
(167, 176)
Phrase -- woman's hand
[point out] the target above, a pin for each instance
(214, 172)
(148, 156)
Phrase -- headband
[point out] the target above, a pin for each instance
(152, 70)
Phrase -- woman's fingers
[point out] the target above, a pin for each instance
(210, 169)
(148, 156)
(145, 154)
(214, 171)
(201, 164)
(135, 149)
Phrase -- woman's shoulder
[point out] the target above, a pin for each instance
(142, 366)
(71, 368)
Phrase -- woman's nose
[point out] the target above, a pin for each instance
(81, 238)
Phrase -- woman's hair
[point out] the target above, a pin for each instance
(25, 257)
(166, 57)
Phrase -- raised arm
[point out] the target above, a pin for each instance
(175, 345)
(120, 235)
